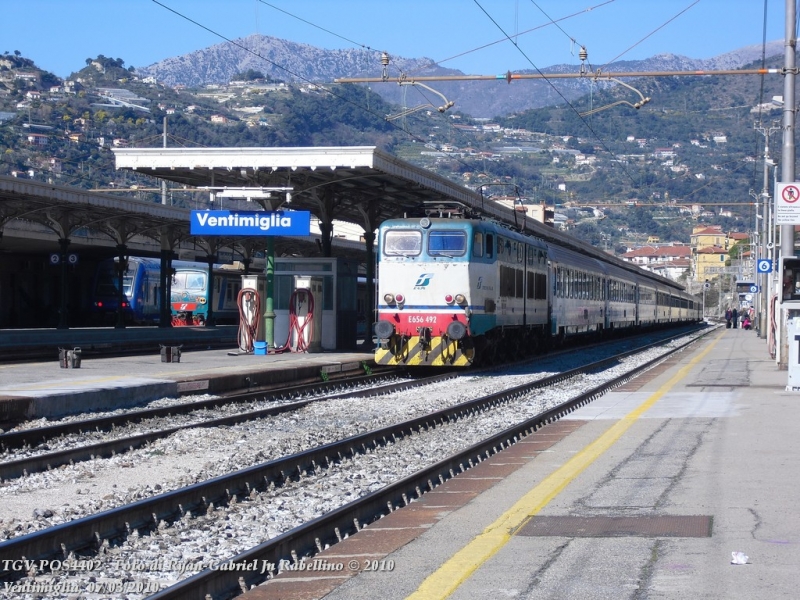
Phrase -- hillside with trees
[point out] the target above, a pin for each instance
(616, 175)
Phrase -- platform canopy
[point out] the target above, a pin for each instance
(35, 215)
(357, 184)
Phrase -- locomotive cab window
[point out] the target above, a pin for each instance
(477, 244)
(398, 242)
(447, 243)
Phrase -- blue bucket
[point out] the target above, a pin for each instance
(260, 348)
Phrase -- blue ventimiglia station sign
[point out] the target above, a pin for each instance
(250, 223)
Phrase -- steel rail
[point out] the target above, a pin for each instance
(310, 538)
(30, 437)
(148, 513)
(51, 460)
(45, 462)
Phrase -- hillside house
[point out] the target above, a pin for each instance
(710, 249)
(707, 261)
(670, 261)
(51, 164)
(29, 78)
(662, 153)
(37, 139)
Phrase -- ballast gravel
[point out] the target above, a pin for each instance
(189, 456)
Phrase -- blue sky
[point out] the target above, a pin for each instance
(59, 35)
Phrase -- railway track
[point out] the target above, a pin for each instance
(309, 538)
(281, 398)
(365, 385)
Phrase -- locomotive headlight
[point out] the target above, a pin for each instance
(388, 298)
(200, 300)
(448, 298)
(461, 299)
(400, 298)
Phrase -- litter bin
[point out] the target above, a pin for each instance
(170, 353)
(69, 359)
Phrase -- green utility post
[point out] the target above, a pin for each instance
(269, 314)
(63, 315)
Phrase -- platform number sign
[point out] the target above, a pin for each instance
(764, 265)
(55, 259)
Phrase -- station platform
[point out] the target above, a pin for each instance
(24, 344)
(647, 492)
(30, 390)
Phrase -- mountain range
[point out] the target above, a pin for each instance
(292, 62)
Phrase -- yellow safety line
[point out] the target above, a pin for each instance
(449, 577)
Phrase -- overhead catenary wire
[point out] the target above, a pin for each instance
(501, 40)
(545, 77)
(664, 24)
(414, 137)
(285, 69)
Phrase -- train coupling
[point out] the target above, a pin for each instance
(424, 336)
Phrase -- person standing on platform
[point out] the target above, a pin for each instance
(728, 316)
(734, 317)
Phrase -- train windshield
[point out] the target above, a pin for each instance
(447, 243)
(108, 280)
(189, 280)
(402, 242)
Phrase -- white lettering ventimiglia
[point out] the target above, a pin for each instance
(262, 221)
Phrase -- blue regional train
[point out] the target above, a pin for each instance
(190, 294)
(453, 292)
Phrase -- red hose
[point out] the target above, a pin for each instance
(296, 327)
(248, 326)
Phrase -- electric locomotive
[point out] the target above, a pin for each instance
(452, 292)
(449, 288)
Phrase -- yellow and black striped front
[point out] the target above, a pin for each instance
(440, 352)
